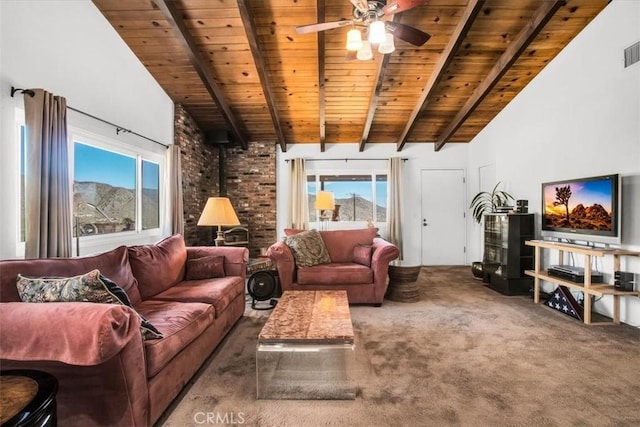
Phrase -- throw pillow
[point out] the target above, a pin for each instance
(308, 248)
(89, 287)
(362, 254)
(207, 267)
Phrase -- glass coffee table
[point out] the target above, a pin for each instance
(306, 348)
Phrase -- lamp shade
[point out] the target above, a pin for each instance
(365, 53)
(218, 211)
(387, 46)
(354, 39)
(325, 201)
(376, 32)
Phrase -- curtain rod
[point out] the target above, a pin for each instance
(118, 128)
(346, 160)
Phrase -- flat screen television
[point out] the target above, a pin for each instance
(584, 209)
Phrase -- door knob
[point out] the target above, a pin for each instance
(424, 222)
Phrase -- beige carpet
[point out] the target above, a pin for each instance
(463, 355)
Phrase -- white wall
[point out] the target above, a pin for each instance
(68, 48)
(420, 157)
(579, 117)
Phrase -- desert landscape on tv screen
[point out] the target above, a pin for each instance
(584, 205)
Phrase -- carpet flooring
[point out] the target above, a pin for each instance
(463, 355)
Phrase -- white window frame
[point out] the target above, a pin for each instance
(19, 122)
(100, 241)
(372, 173)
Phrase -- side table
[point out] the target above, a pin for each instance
(402, 281)
(28, 398)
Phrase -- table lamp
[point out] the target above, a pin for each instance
(324, 202)
(218, 212)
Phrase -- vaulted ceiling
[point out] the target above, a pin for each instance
(240, 65)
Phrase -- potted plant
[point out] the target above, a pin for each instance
(485, 202)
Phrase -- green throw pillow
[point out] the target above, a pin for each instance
(89, 287)
(308, 248)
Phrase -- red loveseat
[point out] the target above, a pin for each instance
(365, 284)
(108, 375)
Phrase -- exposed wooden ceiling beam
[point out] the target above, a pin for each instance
(252, 36)
(375, 94)
(373, 100)
(172, 15)
(447, 56)
(544, 13)
(321, 15)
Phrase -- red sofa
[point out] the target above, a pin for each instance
(364, 284)
(108, 375)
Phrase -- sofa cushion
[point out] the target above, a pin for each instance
(218, 292)
(340, 243)
(308, 248)
(335, 273)
(114, 264)
(362, 254)
(180, 322)
(160, 266)
(90, 287)
(207, 267)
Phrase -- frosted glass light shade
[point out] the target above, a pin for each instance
(354, 39)
(365, 53)
(376, 32)
(387, 46)
(325, 201)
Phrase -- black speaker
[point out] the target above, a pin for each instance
(263, 286)
(522, 206)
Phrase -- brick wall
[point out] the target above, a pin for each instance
(250, 178)
(251, 186)
(199, 175)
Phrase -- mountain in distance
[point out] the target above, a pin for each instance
(363, 209)
(103, 208)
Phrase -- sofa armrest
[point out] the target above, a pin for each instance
(235, 258)
(282, 257)
(383, 253)
(76, 333)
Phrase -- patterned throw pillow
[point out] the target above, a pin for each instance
(308, 248)
(362, 254)
(89, 287)
(207, 267)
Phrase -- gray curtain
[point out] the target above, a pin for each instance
(394, 211)
(175, 190)
(298, 205)
(47, 201)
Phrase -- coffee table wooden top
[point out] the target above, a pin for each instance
(309, 317)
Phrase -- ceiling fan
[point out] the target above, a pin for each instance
(367, 12)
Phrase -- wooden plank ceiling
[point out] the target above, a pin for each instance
(240, 66)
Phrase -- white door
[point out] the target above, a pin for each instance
(443, 217)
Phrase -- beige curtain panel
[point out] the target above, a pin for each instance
(298, 207)
(175, 190)
(394, 211)
(48, 200)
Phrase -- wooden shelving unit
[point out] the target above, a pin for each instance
(587, 287)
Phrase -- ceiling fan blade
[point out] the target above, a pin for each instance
(321, 26)
(407, 33)
(397, 6)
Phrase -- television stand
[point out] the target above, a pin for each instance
(588, 287)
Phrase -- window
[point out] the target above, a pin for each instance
(22, 182)
(106, 195)
(358, 197)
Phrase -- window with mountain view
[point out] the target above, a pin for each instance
(106, 197)
(357, 197)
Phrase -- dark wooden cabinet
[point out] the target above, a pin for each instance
(506, 257)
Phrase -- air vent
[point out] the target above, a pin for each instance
(632, 55)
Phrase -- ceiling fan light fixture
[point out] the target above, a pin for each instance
(377, 32)
(387, 46)
(365, 53)
(354, 39)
